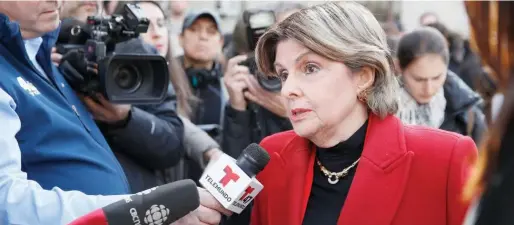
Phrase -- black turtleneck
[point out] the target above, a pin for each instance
(326, 200)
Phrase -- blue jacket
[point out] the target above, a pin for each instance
(60, 144)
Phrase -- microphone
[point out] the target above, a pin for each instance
(232, 182)
(160, 205)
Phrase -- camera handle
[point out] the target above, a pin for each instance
(75, 70)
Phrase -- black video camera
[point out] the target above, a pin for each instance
(256, 23)
(121, 78)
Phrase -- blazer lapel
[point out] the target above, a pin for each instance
(298, 182)
(381, 175)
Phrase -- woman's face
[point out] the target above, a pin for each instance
(320, 93)
(157, 34)
(424, 77)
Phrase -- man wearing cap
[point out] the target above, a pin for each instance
(202, 42)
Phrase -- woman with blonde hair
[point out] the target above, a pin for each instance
(349, 160)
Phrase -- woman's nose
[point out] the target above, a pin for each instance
(290, 88)
(156, 35)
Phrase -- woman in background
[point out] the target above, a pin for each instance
(432, 95)
(349, 160)
(492, 185)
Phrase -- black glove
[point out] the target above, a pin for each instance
(80, 73)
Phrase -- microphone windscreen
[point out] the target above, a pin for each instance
(258, 154)
(161, 205)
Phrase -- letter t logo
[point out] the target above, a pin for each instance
(229, 176)
(248, 191)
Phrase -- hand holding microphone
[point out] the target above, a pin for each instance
(180, 202)
(209, 212)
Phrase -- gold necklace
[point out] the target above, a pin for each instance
(334, 177)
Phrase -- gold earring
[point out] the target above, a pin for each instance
(363, 96)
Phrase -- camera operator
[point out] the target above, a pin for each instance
(146, 139)
(55, 164)
(199, 147)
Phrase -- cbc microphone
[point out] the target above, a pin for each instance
(232, 182)
(160, 205)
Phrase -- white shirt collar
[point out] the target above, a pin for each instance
(32, 47)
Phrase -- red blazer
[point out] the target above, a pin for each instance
(407, 175)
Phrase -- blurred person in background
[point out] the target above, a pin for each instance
(349, 160)
(109, 6)
(202, 41)
(239, 44)
(467, 64)
(432, 95)
(492, 186)
(80, 9)
(176, 16)
(428, 18)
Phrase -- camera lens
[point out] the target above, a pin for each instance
(272, 84)
(128, 78)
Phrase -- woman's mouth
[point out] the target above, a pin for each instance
(299, 114)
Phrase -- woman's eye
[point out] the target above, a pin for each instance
(311, 68)
(160, 23)
(282, 75)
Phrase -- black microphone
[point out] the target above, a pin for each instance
(253, 159)
(160, 205)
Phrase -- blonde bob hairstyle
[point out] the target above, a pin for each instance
(340, 31)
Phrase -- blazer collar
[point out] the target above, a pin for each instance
(385, 141)
(379, 181)
(381, 175)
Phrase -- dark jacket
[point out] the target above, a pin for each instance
(208, 113)
(242, 128)
(463, 112)
(152, 138)
(467, 65)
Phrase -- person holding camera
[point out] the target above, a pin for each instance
(199, 147)
(255, 108)
(146, 139)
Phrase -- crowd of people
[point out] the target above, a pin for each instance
(372, 124)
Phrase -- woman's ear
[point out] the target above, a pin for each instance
(365, 78)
